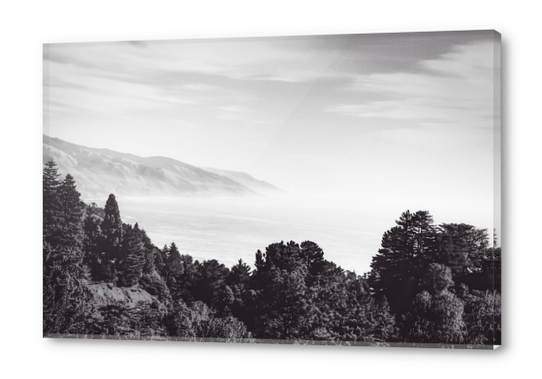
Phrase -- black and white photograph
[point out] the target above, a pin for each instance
(339, 189)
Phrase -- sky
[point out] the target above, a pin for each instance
(409, 120)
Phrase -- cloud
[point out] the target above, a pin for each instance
(232, 112)
(455, 89)
(256, 74)
(200, 87)
(234, 108)
(278, 80)
(53, 82)
(52, 55)
(285, 78)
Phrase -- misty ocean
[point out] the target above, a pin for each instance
(229, 229)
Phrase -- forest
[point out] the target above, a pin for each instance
(434, 285)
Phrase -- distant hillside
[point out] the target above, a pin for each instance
(99, 172)
(260, 186)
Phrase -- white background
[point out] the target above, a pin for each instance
(26, 25)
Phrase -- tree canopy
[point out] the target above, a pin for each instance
(437, 284)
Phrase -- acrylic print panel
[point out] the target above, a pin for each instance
(339, 189)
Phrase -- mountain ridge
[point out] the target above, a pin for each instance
(260, 186)
(100, 172)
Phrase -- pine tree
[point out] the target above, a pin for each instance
(62, 213)
(112, 226)
(91, 242)
(174, 270)
(70, 200)
(238, 281)
(281, 304)
(150, 253)
(65, 298)
(132, 257)
(71, 211)
(51, 202)
(112, 233)
(172, 261)
(239, 274)
(210, 282)
(314, 257)
(399, 265)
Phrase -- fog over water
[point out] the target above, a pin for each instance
(229, 229)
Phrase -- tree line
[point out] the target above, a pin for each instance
(427, 284)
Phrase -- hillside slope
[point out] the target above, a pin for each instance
(99, 172)
(260, 186)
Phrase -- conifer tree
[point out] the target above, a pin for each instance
(62, 212)
(163, 267)
(112, 224)
(91, 241)
(65, 298)
(112, 233)
(399, 265)
(314, 257)
(51, 204)
(238, 281)
(150, 252)
(173, 272)
(132, 257)
(239, 274)
(70, 200)
(209, 284)
(173, 266)
(281, 304)
(71, 209)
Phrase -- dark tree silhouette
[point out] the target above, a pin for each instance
(112, 233)
(132, 257)
(417, 291)
(65, 298)
(51, 199)
(400, 263)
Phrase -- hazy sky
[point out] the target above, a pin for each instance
(404, 117)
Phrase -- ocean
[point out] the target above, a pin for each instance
(229, 229)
